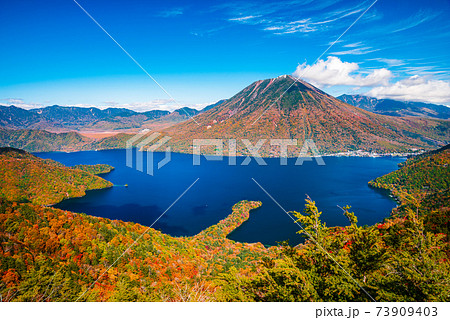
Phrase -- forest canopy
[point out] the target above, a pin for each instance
(49, 254)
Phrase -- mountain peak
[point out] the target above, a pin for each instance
(284, 76)
(290, 108)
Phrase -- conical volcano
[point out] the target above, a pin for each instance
(286, 108)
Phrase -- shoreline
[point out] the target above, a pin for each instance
(357, 154)
(233, 221)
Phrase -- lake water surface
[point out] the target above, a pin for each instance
(340, 182)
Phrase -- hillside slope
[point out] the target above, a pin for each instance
(397, 108)
(24, 177)
(42, 141)
(54, 255)
(425, 178)
(404, 258)
(62, 118)
(421, 175)
(305, 112)
(47, 254)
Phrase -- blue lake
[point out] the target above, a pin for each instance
(340, 182)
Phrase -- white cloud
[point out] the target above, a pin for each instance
(299, 19)
(417, 19)
(245, 18)
(303, 26)
(353, 45)
(333, 72)
(424, 70)
(356, 48)
(171, 13)
(390, 62)
(273, 28)
(159, 104)
(355, 51)
(20, 103)
(415, 88)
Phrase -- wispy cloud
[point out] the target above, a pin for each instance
(205, 32)
(354, 48)
(173, 12)
(425, 69)
(302, 26)
(416, 20)
(302, 17)
(244, 18)
(390, 62)
(353, 45)
(355, 51)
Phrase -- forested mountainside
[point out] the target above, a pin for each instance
(42, 141)
(397, 108)
(420, 175)
(405, 258)
(54, 255)
(426, 179)
(305, 112)
(49, 254)
(57, 118)
(25, 177)
(94, 168)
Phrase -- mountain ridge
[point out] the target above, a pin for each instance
(397, 108)
(280, 108)
(63, 118)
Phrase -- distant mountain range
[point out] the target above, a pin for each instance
(305, 112)
(257, 112)
(62, 118)
(58, 118)
(397, 108)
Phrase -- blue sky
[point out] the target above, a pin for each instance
(203, 51)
